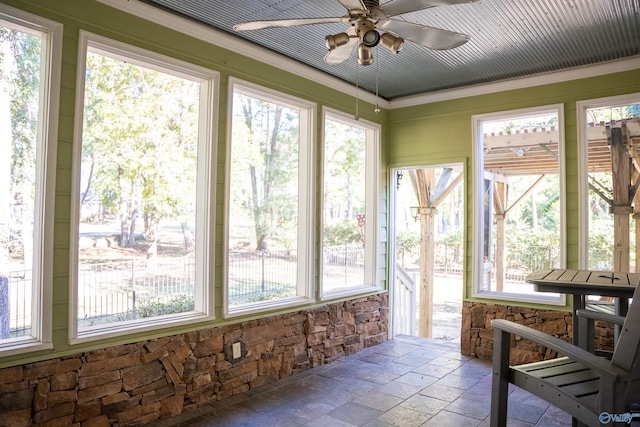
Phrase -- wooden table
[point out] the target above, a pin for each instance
(581, 283)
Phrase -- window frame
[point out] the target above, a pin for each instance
(45, 180)
(205, 192)
(477, 121)
(306, 198)
(372, 203)
(583, 171)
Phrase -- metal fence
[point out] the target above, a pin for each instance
(18, 299)
(342, 266)
(519, 261)
(123, 290)
(261, 275)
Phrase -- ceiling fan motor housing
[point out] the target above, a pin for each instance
(370, 4)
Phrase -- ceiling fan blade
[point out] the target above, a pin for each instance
(258, 25)
(342, 53)
(433, 38)
(398, 7)
(353, 4)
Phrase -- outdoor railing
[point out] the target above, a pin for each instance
(17, 297)
(123, 290)
(261, 275)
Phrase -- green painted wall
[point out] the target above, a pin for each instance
(441, 132)
(428, 134)
(103, 20)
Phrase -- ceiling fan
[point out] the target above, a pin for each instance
(366, 19)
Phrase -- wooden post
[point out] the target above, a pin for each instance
(425, 181)
(499, 205)
(427, 255)
(621, 209)
(424, 185)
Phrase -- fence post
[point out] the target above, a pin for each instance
(133, 287)
(346, 256)
(446, 258)
(4, 308)
(262, 285)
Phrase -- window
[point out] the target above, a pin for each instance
(349, 205)
(270, 233)
(30, 56)
(143, 220)
(608, 216)
(518, 201)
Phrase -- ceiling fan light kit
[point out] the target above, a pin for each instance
(336, 40)
(367, 18)
(365, 57)
(391, 42)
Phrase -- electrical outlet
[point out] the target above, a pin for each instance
(237, 350)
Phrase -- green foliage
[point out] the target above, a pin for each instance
(155, 308)
(600, 251)
(407, 241)
(451, 238)
(266, 296)
(341, 233)
(344, 170)
(264, 168)
(140, 137)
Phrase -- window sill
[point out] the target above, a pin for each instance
(546, 299)
(264, 306)
(145, 325)
(354, 291)
(14, 346)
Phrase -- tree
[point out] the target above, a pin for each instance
(344, 158)
(143, 162)
(264, 166)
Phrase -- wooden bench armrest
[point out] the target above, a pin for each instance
(598, 315)
(598, 364)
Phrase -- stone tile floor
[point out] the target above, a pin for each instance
(405, 382)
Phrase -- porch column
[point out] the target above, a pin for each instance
(427, 255)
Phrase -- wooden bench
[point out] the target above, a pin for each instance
(579, 383)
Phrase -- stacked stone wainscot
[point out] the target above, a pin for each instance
(138, 383)
(477, 334)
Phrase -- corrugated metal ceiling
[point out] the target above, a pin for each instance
(509, 39)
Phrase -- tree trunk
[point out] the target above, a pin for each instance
(124, 210)
(152, 239)
(189, 242)
(132, 229)
(258, 211)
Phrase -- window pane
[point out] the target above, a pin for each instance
(138, 178)
(602, 197)
(264, 202)
(20, 61)
(344, 206)
(521, 200)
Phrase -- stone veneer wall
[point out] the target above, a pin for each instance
(135, 384)
(477, 334)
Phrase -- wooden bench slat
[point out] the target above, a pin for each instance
(572, 378)
(582, 389)
(561, 369)
(544, 364)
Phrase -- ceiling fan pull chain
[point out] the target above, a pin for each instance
(377, 109)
